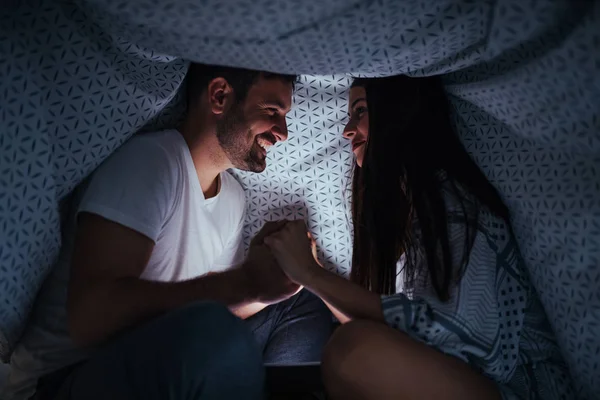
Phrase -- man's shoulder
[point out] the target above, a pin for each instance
(164, 140)
(143, 158)
(158, 149)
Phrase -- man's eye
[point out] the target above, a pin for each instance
(272, 111)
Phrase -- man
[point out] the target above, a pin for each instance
(155, 271)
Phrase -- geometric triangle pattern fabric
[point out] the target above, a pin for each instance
(531, 119)
(70, 95)
(77, 80)
(536, 134)
(553, 195)
(308, 176)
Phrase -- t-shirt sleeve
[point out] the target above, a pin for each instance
(135, 187)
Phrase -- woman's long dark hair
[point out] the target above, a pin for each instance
(411, 145)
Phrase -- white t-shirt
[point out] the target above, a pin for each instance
(149, 185)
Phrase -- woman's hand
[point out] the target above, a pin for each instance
(313, 248)
(293, 248)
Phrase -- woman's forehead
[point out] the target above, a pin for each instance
(357, 91)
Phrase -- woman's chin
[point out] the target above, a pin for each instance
(359, 155)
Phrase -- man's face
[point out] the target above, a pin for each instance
(250, 128)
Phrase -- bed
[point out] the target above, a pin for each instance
(77, 79)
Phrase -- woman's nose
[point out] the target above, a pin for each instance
(349, 130)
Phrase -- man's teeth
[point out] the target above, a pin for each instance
(264, 144)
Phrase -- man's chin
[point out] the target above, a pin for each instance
(255, 166)
(258, 169)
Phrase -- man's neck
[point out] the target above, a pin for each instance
(206, 155)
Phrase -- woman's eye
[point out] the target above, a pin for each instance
(360, 111)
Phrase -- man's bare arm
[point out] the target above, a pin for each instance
(106, 294)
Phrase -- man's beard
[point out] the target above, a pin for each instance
(238, 143)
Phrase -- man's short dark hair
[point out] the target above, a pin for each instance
(240, 79)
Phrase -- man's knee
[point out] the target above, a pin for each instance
(201, 316)
(207, 337)
(196, 352)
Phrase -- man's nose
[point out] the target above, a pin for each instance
(280, 131)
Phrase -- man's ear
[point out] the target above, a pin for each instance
(220, 95)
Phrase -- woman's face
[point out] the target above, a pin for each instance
(357, 129)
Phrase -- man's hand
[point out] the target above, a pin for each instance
(294, 252)
(268, 280)
(268, 228)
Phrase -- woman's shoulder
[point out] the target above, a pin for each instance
(467, 216)
(459, 200)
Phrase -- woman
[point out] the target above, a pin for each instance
(439, 304)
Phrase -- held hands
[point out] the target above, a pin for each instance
(268, 280)
(295, 251)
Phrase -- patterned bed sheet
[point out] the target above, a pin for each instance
(77, 79)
